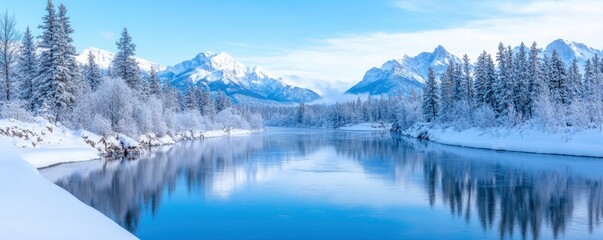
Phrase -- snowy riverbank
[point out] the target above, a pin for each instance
(36, 208)
(43, 144)
(588, 143)
(31, 207)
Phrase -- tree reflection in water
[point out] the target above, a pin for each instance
(499, 189)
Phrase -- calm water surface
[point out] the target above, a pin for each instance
(327, 184)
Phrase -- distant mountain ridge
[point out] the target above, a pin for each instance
(409, 73)
(403, 75)
(218, 72)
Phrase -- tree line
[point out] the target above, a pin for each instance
(517, 87)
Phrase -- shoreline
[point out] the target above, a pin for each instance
(584, 143)
(45, 200)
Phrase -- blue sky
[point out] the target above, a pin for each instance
(170, 31)
(318, 43)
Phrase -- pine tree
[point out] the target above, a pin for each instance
(27, 68)
(460, 86)
(535, 80)
(92, 73)
(54, 82)
(145, 91)
(447, 90)
(191, 98)
(520, 80)
(208, 108)
(301, 113)
(170, 99)
(124, 65)
(573, 83)
(591, 92)
(503, 87)
(222, 101)
(558, 79)
(467, 79)
(430, 97)
(479, 88)
(154, 84)
(76, 86)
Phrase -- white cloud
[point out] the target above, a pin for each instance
(341, 62)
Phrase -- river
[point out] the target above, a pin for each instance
(331, 184)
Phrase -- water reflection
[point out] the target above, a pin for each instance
(510, 195)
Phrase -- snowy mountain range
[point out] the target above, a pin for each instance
(104, 58)
(409, 73)
(403, 75)
(219, 71)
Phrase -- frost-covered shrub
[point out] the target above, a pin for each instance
(99, 125)
(157, 120)
(484, 117)
(462, 120)
(15, 110)
(228, 119)
(189, 120)
(143, 117)
(408, 112)
(255, 121)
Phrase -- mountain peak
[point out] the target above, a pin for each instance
(221, 72)
(440, 49)
(569, 50)
(404, 75)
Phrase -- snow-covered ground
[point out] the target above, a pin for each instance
(368, 127)
(31, 207)
(587, 143)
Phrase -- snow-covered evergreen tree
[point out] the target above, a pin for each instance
(124, 65)
(155, 84)
(222, 101)
(27, 69)
(53, 85)
(574, 82)
(77, 87)
(206, 103)
(430, 97)
(520, 81)
(467, 79)
(170, 99)
(535, 81)
(447, 91)
(503, 87)
(145, 91)
(557, 79)
(191, 98)
(92, 73)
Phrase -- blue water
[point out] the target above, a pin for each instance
(329, 184)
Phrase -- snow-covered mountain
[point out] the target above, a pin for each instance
(244, 84)
(569, 50)
(104, 58)
(403, 75)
